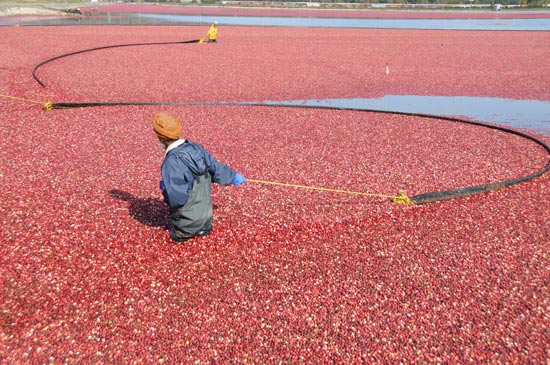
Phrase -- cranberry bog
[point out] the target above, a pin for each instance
(89, 274)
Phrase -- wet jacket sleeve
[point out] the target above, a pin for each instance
(221, 174)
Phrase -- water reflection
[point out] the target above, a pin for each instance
(160, 19)
(526, 114)
(449, 24)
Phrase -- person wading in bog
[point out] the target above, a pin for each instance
(187, 172)
(212, 34)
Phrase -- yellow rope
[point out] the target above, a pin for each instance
(401, 198)
(46, 106)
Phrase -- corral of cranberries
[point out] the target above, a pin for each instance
(89, 274)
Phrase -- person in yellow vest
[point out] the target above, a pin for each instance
(212, 33)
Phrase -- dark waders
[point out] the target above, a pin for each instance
(195, 217)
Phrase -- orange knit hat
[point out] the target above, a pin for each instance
(166, 126)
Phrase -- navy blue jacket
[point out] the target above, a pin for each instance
(182, 164)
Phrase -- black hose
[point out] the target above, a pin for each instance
(416, 199)
(99, 48)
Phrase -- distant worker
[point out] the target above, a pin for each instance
(212, 33)
(187, 172)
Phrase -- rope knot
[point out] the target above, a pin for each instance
(402, 198)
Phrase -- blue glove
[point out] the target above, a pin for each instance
(239, 179)
(162, 186)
